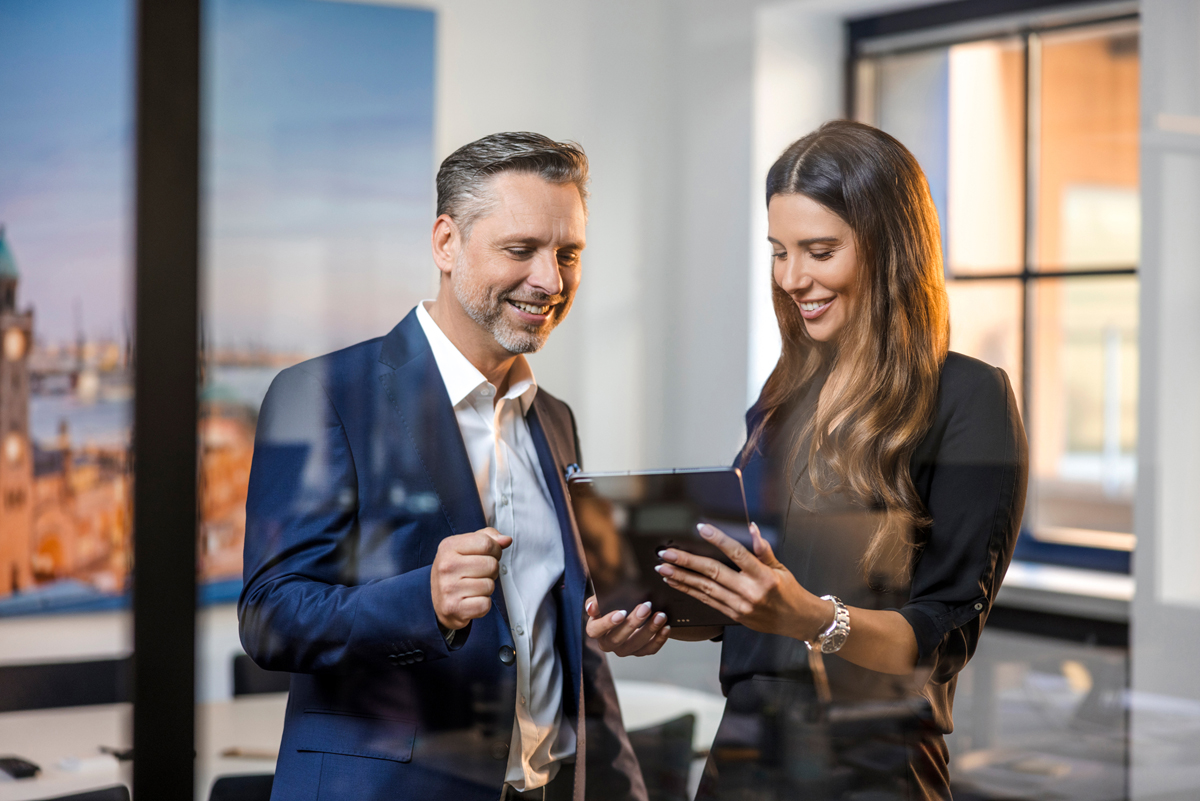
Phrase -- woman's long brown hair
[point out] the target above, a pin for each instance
(880, 395)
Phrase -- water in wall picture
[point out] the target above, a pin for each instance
(317, 181)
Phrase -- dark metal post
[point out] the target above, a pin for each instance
(165, 401)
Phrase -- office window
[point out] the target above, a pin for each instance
(1030, 144)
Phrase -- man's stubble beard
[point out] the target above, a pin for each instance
(486, 308)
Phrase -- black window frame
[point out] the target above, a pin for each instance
(165, 448)
(928, 18)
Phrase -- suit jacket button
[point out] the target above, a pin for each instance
(507, 656)
(418, 655)
(499, 750)
(394, 658)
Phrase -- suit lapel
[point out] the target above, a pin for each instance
(417, 394)
(553, 456)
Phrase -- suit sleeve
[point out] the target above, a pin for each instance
(302, 608)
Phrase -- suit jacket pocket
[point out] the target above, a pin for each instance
(331, 732)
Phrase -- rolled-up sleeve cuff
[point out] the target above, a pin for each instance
(931, 621)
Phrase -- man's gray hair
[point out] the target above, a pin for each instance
(463, 180)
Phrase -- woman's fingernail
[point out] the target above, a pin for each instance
(643, 609)
(660, 618)
(668, 556)
(661, 554)
(705, 530)
(618, 616)
(664, 570)
(591, 608)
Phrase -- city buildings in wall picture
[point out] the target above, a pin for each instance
(317, 195)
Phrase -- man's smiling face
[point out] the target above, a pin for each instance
(517, 272)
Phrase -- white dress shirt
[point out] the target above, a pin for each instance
(516, 502)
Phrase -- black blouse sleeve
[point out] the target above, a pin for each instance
(971, 470)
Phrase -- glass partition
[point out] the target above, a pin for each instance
(318, 180)
(66, 388)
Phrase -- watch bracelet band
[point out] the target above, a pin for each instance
(834, 636)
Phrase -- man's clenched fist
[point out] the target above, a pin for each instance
(464, 576)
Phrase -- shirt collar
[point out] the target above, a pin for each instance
(462, 378)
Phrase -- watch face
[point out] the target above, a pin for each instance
(835, 641)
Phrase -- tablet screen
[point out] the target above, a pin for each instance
(625, 519)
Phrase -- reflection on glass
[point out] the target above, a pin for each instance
(1088, 213)
(1041, 718)
(318, 178)
(319, 129)
(911, 92)
(985, 322)
(1084, 420)
(985, 199)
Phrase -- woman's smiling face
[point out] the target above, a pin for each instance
(815, 262)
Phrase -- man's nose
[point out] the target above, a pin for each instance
(545, 275)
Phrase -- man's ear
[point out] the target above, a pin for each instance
(446, 241)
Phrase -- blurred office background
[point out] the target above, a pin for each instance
(1062, 145)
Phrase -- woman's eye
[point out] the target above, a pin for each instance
(822, 256)
(778, 255)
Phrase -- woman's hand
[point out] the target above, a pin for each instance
(763, 596)
(636, 634)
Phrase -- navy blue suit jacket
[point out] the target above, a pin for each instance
(359, 472)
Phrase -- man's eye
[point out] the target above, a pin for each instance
(520, 253)
(569, 259)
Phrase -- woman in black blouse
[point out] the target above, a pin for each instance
(890, 476)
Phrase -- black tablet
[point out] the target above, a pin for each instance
(625, 519)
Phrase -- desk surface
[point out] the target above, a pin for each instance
(253, 724)
(1067, 591)
(49, 736)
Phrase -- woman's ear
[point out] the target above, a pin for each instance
(446, 240)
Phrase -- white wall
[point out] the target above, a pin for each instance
(660, 95)
(1165, 719)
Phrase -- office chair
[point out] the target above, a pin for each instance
(256, 787)
(60, 684)
(665, 754)
(250, 679)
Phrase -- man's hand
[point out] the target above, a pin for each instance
(464, 576)
(623, 634)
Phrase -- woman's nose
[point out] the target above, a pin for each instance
(793, 278)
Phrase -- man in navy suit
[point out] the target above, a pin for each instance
(411, 557)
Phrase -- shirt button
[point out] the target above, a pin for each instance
(504, 500)
(486, 392)
(504, 570)
(978, 607)
(520, 631)
(522, 700)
